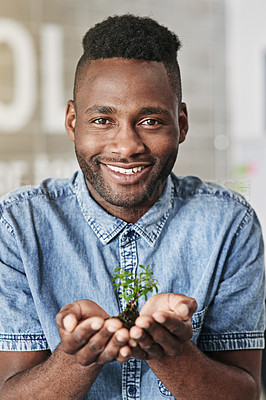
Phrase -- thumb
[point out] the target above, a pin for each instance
(70, 322)
(182, 305)
(69, 316)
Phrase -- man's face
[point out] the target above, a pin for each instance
(126, 126)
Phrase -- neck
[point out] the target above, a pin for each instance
(127, 214)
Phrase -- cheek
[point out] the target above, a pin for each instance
(88, 146)
(166, 149)
(86, 143)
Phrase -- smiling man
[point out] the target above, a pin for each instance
(201, 336)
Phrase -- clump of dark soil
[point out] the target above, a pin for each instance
(129, 316)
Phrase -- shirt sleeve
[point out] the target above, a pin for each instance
(20, 328)
(234, 319)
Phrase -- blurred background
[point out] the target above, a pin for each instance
(223, 65)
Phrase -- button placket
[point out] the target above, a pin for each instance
(131, 370)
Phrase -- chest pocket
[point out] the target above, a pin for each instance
(197, 322)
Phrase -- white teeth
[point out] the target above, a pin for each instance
(126, 171)
(137, 169)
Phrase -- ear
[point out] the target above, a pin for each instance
(183, 122)
(70, 120)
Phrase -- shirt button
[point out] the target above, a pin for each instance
(131, 390)
(125, 241)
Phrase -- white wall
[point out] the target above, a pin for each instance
(246, 88)
(246, 50)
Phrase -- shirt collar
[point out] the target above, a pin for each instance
(106, 226)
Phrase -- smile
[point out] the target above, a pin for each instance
(125, 171)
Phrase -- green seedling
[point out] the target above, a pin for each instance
(132, 287)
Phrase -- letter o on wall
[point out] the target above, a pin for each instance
(16, 114)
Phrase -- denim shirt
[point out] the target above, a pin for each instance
(58, 245)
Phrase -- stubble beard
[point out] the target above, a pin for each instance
(94, 178)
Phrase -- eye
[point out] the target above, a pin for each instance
(151, 122)
(101, 121)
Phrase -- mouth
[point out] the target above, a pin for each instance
(126, 171)
(127, 174)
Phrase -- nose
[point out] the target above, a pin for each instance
(126, 141)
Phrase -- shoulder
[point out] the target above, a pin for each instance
(49, 188)
(48, 191)
(190, 187)
(211, 203)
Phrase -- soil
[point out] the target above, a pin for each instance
(129, 316)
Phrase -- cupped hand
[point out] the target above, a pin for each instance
(164, 325)
(88, 333)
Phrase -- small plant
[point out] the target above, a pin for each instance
(132, 288)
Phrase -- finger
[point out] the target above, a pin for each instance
(177, 326)
(72, 313)
(116, 348)
(68, 316)
(70, 322)
(149, 347)
(138, 353)
(162, 342)
(182, 305)
(71, 342)
(167, 319)
(124, 354)
(101, 338)
(97, 343)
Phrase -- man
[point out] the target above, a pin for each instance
(61, 242)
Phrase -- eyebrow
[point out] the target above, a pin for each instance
(101, 110)
(110, 110)
(152, 111)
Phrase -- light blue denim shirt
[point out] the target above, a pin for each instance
(57, 245)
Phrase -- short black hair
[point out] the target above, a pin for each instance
(132, 37)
